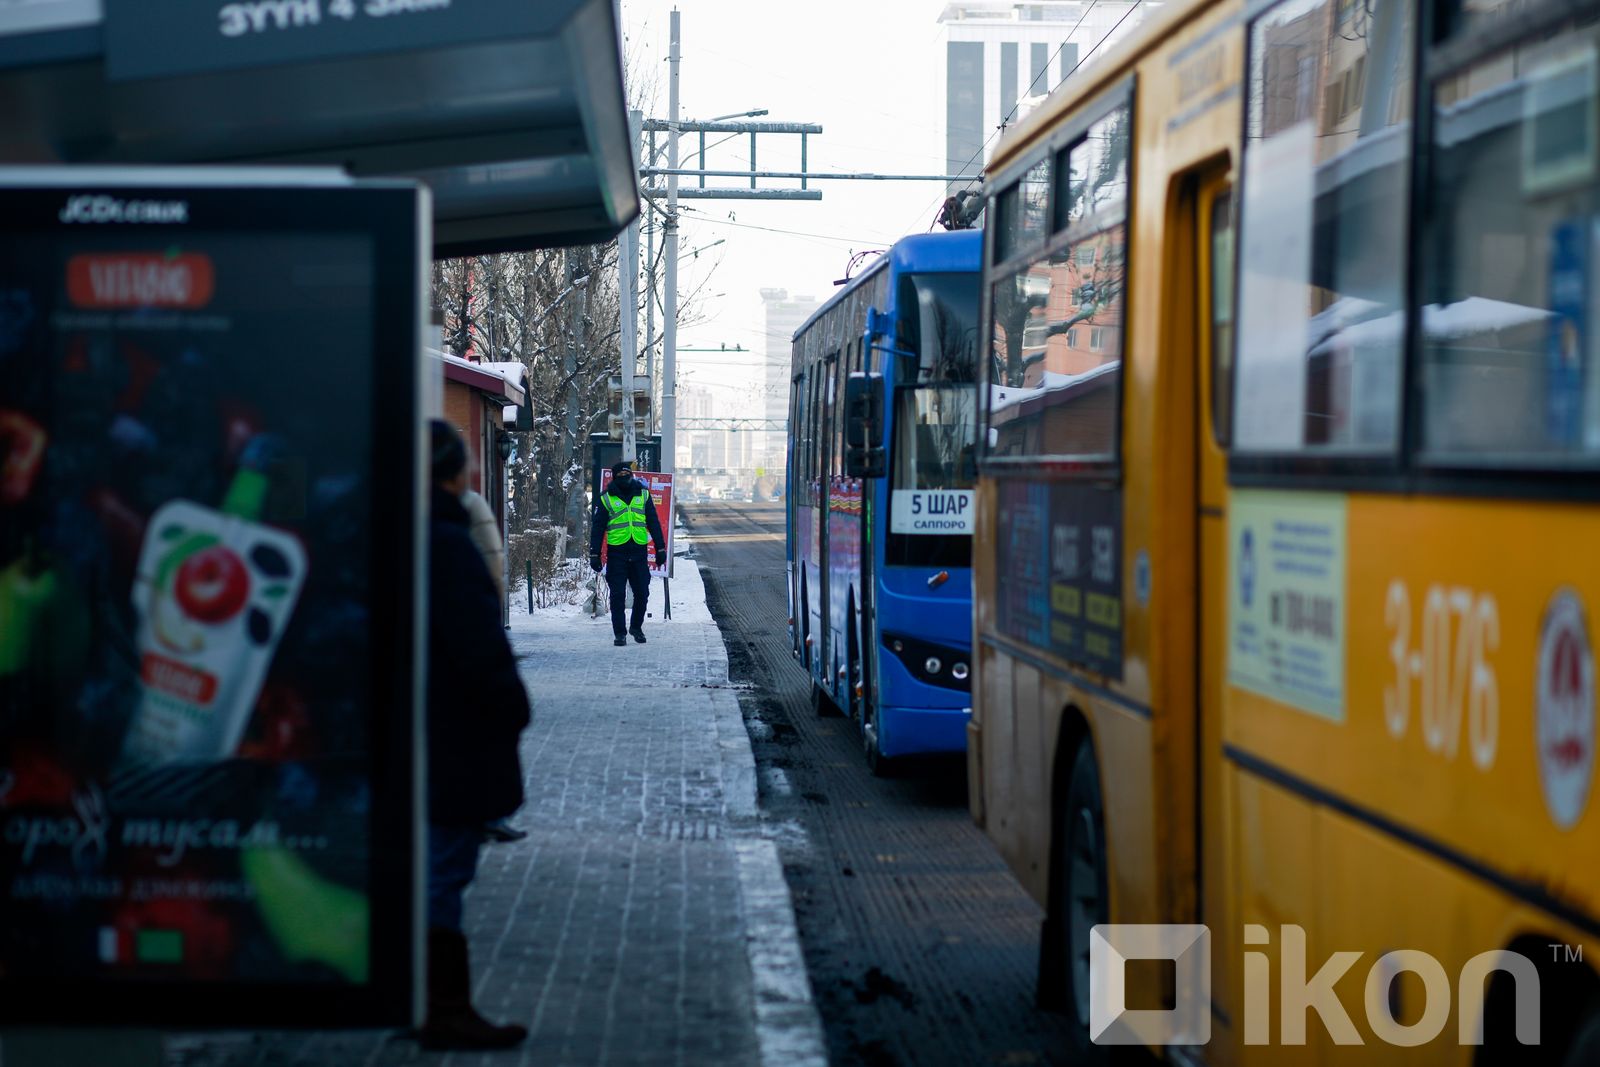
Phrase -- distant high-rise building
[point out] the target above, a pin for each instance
(998, 54)
(785, 315)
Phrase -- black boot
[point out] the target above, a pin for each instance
(452, 1021)
(638, 634)
(620, 641)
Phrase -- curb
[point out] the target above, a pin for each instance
(787, 1023)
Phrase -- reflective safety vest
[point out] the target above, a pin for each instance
(627, 522)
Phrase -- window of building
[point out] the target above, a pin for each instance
(1086, 256)
(1322, 234)
(1510, 349)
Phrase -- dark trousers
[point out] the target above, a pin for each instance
(452, 863)
(627, 566)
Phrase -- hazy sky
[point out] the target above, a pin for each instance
(867, 71)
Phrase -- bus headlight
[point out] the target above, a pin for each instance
(959, 672)
(932, 665)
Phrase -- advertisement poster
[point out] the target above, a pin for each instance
(1022, 559)
(1086, 576)
(1061, 571)
(1286, 609)
(208, 550)
(660, 486)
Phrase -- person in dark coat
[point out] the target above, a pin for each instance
(625, 517)
(477, 710)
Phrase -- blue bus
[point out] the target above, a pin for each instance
(882, 423)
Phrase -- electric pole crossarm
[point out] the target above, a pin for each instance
(692, 423)
(807, 175)
(737, 194)
(665, 126)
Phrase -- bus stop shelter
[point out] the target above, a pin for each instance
(512, 112)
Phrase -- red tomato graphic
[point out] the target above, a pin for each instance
(212, 585)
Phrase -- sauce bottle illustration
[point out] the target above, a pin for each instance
(214, 592)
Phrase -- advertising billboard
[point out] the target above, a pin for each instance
(660, 487)
(210, 542)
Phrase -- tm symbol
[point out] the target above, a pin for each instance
(1567, 953)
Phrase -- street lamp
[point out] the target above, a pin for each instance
(740, 115)
(703, 248)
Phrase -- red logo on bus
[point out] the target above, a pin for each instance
(1566, 710)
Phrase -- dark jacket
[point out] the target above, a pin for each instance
(477, 707)
(652, 521)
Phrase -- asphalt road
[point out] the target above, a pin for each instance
(920, 946)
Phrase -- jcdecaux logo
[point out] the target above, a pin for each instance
(1188, 1021)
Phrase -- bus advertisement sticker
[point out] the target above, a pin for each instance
(1024, 592)
(1086, 576)
(1286, 616)
(1566, 712)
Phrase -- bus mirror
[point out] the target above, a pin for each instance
(863, 422)
(865, 462)
(863, 408)
(879, 324)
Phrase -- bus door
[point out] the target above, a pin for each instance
(1213, 252)
(826, 652)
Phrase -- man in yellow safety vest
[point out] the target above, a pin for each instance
(625, 515)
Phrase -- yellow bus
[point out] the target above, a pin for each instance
(1289, 532)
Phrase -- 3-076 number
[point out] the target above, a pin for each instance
(1451, 669)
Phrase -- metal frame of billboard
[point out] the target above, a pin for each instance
(396, 217)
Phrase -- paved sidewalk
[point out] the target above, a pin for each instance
(645, 920)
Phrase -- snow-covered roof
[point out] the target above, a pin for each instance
(1440, 322)
(511, 377)
(1003, 397)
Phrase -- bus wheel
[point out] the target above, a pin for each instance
(880, 765)
(822, 703)
(1079, 898)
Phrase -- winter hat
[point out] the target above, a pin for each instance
(447, 452)
(621, 465)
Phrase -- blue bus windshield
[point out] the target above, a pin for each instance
(934, 421)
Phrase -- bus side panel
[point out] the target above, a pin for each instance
(1463, 653)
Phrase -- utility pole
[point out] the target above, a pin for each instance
(650, 313)
(669, 311)
(628, 262)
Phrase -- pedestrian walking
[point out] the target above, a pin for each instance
(477, 710)
(485, 533)
(626, 517)
(484, 530)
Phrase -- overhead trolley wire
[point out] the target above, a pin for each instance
(1009, 115)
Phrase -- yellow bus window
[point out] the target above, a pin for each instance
(1057, 352)
(1222, 318)
(1322, 235)
(1097, 170)
(1023, 213)
(1510, 366)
